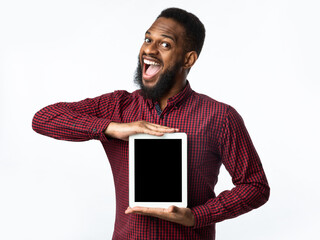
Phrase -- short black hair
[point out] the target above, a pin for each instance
(194, 29)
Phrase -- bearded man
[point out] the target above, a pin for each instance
(165, 103)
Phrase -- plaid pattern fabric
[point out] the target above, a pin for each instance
(216, 135)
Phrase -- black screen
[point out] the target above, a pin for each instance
(158, 170)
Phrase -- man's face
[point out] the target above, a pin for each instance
(161, 57)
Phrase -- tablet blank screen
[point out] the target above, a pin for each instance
(158, 170)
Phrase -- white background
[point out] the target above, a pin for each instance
(261, 57)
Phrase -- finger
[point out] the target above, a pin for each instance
(146, 209)
(133, 210)
(128, 210)
(139, 210)
(172, 213)
(160, 128)
(172, 209)
(156, 127)
(151, 132)
(164, 130)
(155, 212)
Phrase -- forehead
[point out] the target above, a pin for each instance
(167, 26)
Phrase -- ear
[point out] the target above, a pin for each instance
(189, 59)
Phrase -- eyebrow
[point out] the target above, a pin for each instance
(163, 35)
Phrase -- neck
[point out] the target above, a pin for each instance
(178, 87)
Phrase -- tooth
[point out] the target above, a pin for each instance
(150, 62)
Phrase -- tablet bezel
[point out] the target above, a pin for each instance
(184, 202)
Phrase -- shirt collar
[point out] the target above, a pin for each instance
(177, 99)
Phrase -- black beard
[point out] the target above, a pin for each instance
(163, 85)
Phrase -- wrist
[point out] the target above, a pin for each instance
(109, 130)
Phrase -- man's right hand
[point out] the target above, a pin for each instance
(124, 130)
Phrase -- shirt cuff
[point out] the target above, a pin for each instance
(97, 127)
(202, 216)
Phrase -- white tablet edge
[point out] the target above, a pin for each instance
(184, 202)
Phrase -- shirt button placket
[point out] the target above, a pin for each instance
(161, 119)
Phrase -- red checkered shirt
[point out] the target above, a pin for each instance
(216, 135)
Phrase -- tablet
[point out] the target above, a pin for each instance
(158, 170)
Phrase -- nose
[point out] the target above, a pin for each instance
(151, 49)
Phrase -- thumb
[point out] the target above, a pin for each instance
(172, 209)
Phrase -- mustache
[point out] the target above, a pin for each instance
(163, 86)
(150, 56)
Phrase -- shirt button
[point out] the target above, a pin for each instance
(94, 130)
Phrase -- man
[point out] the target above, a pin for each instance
(166, 104)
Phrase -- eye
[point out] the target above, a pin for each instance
(165, 44)
(147, 40)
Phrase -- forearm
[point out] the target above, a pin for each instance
(70, 121)
(231, 203)
(244, 166)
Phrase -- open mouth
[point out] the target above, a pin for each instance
(150, 69)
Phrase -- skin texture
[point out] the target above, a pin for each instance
(164, 44)
(175, 214)
(124, 130)
(163, 85)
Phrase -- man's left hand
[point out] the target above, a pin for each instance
(183, 216)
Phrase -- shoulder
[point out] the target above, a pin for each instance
(219, 111)
(205, 101)
(122, 95)
(123, 99)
